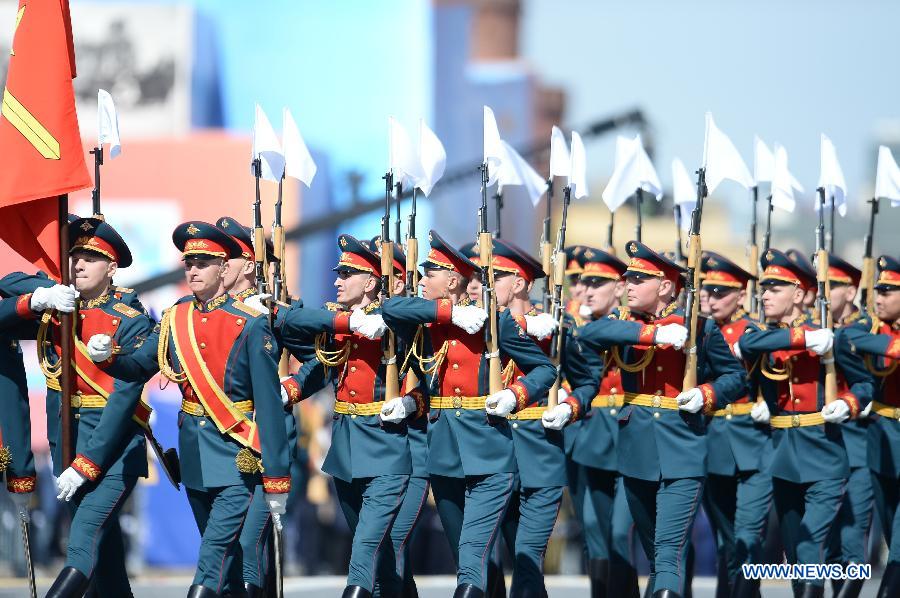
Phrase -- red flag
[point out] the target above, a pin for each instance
(39, 136)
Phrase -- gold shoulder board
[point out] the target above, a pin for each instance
(125, 310)
(246, 309)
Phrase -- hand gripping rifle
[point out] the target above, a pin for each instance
(823, 301)
(868, 266)
(486, 249)
(557, 341)
(692, 284)
(389, 344)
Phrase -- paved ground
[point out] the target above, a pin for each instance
(167, 585)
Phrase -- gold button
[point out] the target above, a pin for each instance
(352, 393)
(728, 416)
(656, 402)
(77, 416)
(78, 392)
(239, 321)
(202, 422)
(796, 379)
(658, 392)
(355, 346)
(352, 368)
(515, 426)
(457, 390)
(455, 366)
(453, 343)
(203, 320)
(115, 322)
(458, 414)
(202, 345)
(659, 368)
(612, 411)
(728, 330)
(613, 390)
(656, 414)
(796, 400)
(82, 316)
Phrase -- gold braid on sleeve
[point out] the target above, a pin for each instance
(162, 350)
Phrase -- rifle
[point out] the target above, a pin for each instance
(389, 345)
(868, 265)
(412, 250)
(753, 252)
(610, 248)
(767, 244)
(486, 250)
(692, 284)
(279, 291)
(557, 341)
(259, 238)
(823, 301)
(679, 254)
(97, 152)
(546, 251)
(498, 206)
(638, 200)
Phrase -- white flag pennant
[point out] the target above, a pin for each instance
(764, 165)
(722, 160)
(831, 177)
(516, 171)
(684, 192)
(782, 188)
(108, 127)
(267, 148)
(559, 153)
(887, 177)
(633, 170)
(403, 161)
(432, 156)
(493, 147)
(298, 162)
(577, 168)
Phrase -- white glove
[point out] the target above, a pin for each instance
(468, 317)
(865, 412)
(285, 399)
(57, 297)
(584, 311)
(736, 350)
(99, 347)
(836, 412)
(68, 484)
(540, 326)
(21, 500)
(397, 409)
(558, 417)
(819, 341)
(500, 403)
(257, 302)
(760, 412)
(690, 400)
(671, 334)
(371, 326)
(561, 395)
(277, 504)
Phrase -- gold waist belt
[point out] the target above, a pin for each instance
(528, 413)
(457, 402)
(345, 408)
(798, 420)
(886, 410)
(192, 408)
(734, 409)
(656, 401)
(613, 400)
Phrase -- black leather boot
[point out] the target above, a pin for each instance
(356, 592)
(199, 591)
(467, 590)
(851, 588)
(666, 594)
(70, 583)
(254, 591)
(496, 582)
(890, 581)
(598, 574)
(745, 588)
(622, 582)
(410, 590)
(807, 589)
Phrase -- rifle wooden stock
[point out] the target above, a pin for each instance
(754, 271)
(690, 347)
(868, 284)
(391, 371)
(827, 322)
(559, 274)
(412, 267)
(486, 253)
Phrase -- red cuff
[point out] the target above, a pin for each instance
(23, 307)
(647, 334)
(444, 312)
(292, 387)
(420, 402)
(709, 398)
(20, 485)
(521, 395)
(576, 408)
(86, 467)
(852, 403)
(341, 322)
(798, 338)
(276, 485)
(893, 349)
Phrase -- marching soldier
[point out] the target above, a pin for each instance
(847, 542)
(738, 486)
(606, 521)
(470, 451)
(662, 444)
(223, 355)
(574, 268)
(809, 462)
(877, 340)
(109, 415)
(369, 456)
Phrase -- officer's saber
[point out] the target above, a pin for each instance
(868, 265)
(486, 254)
(692, 283)
(29, 565)
(823, 300)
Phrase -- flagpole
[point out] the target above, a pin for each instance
(66, 322)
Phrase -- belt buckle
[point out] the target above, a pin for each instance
(897, 413)
(657, 401)
(352, 408)
(795, 421)
(611, 400)
(729, 409)
(457, 402)
(75, 401)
